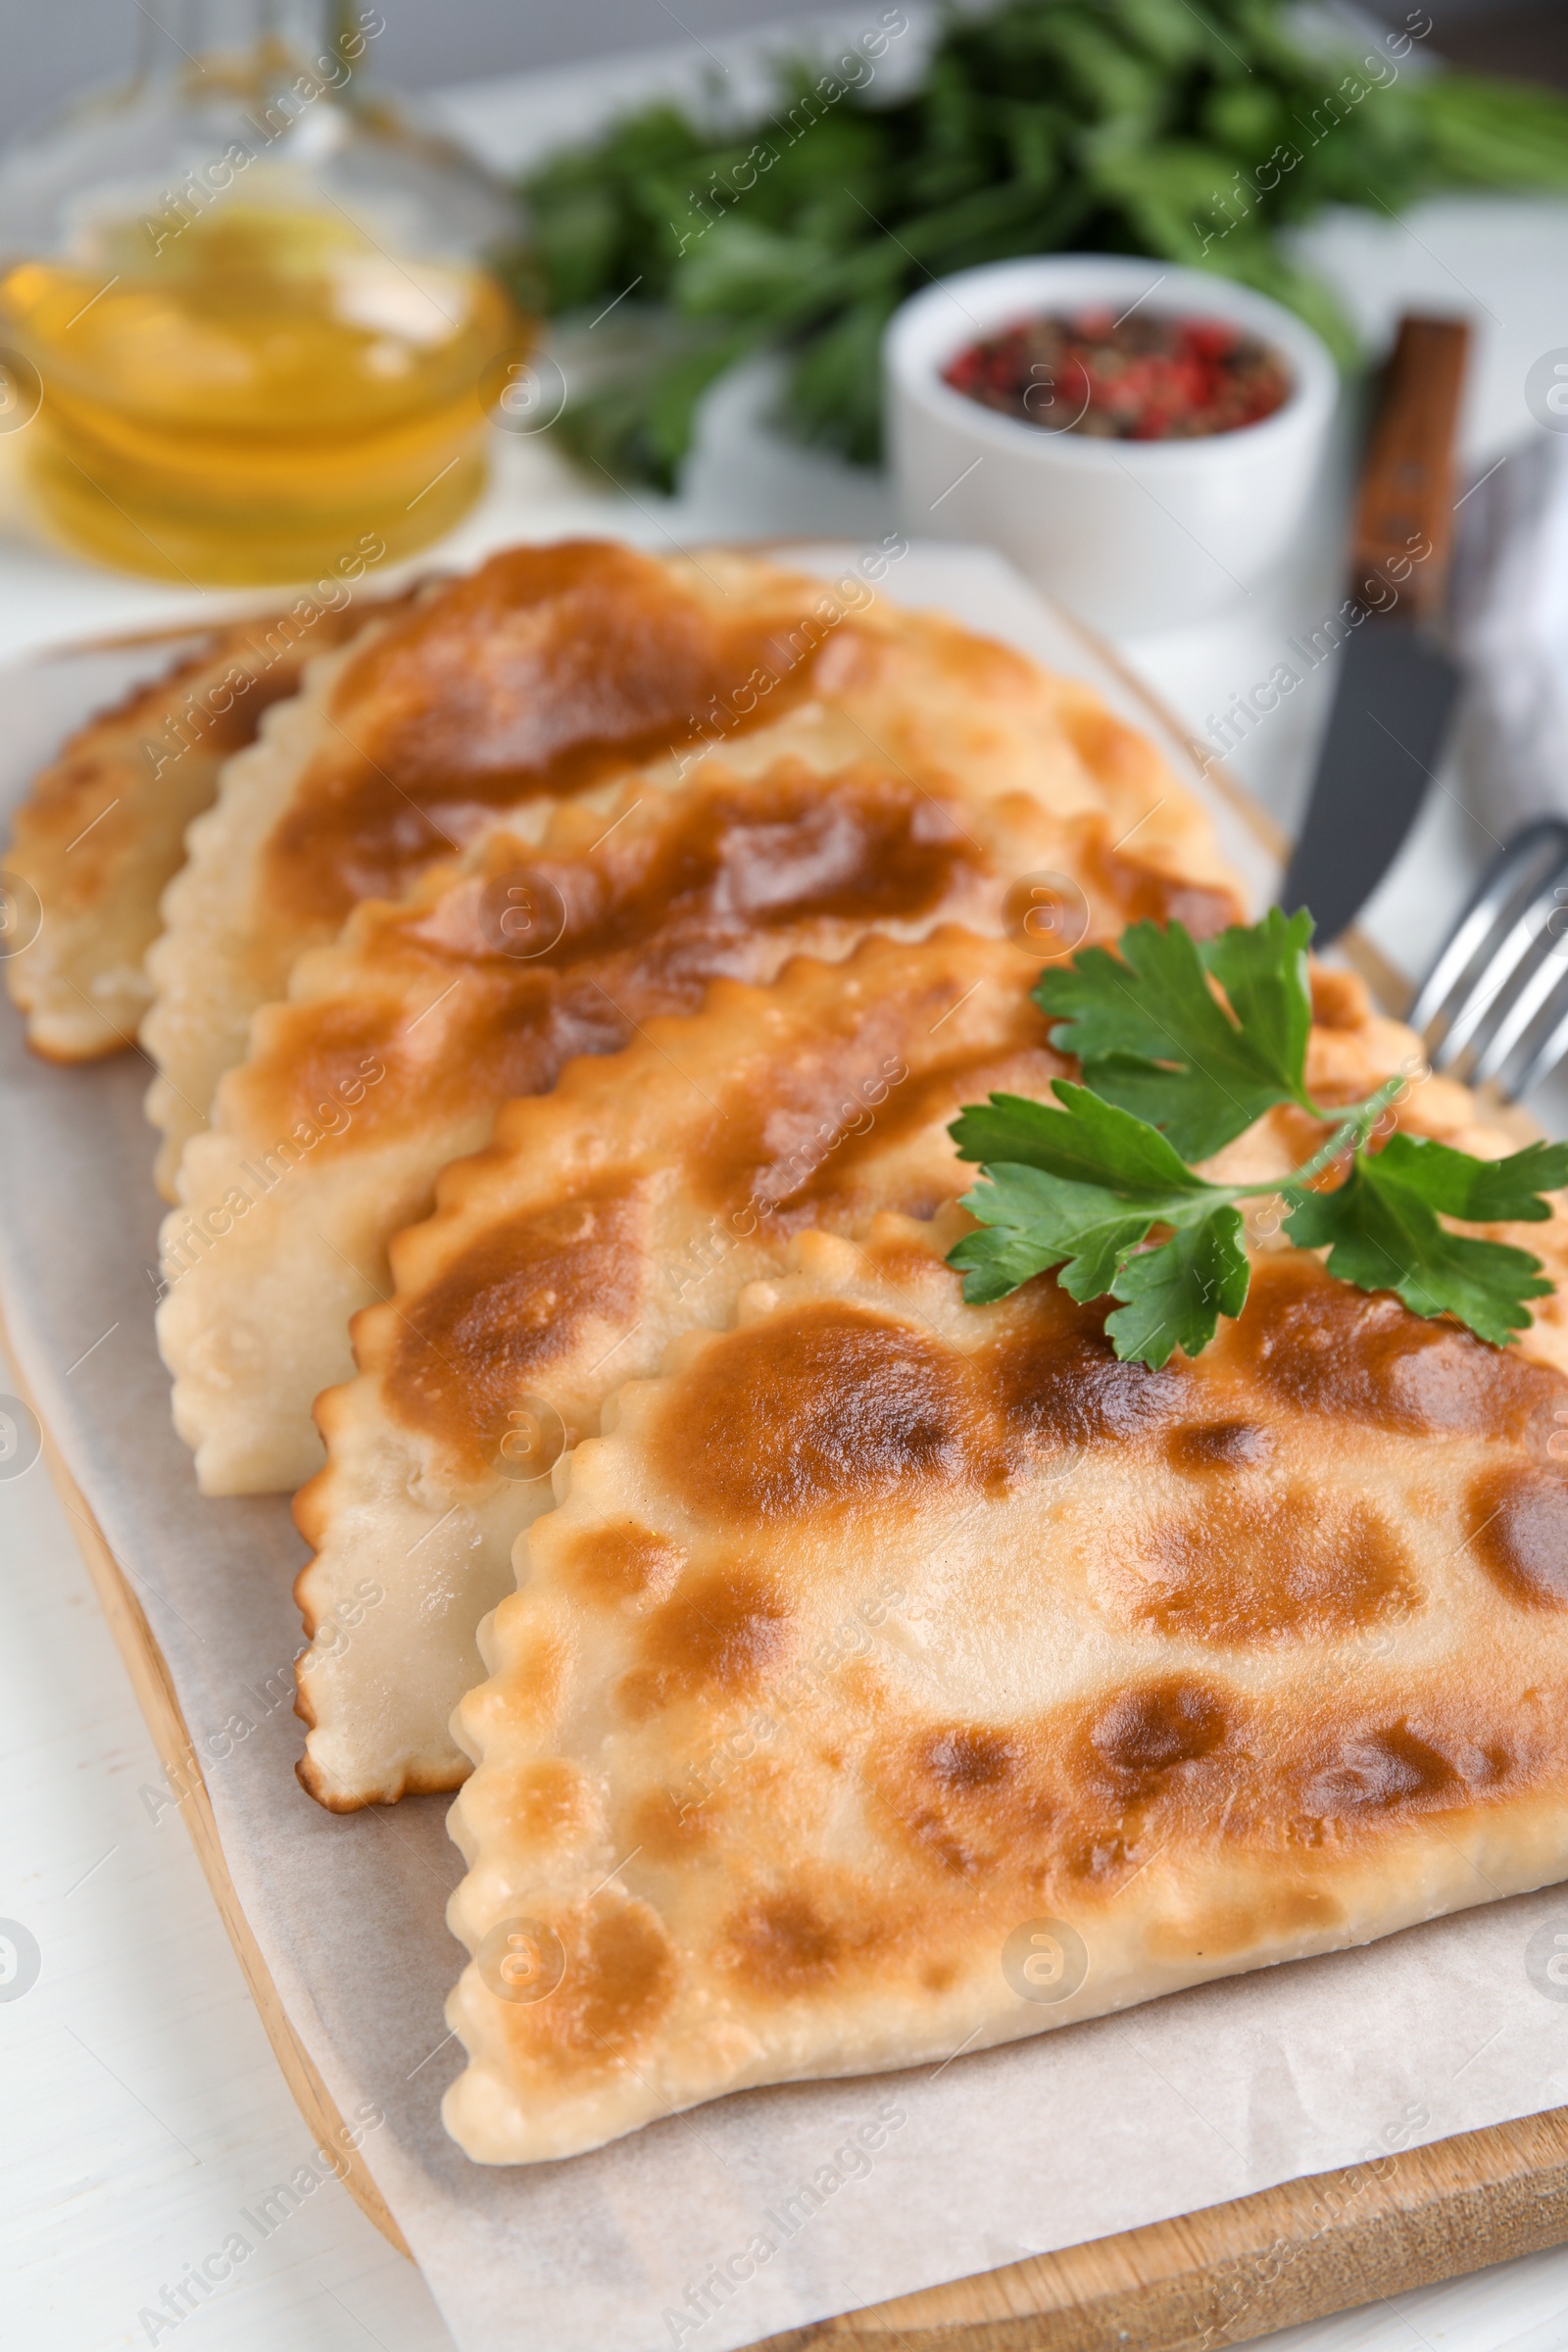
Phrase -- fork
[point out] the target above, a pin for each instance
(1493, 1009)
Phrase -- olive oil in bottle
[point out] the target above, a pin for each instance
(249, 365)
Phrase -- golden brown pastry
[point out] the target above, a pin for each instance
(629, 1206)
(103, 829)
(566, 672)
(898, 1677)
(397, 1046)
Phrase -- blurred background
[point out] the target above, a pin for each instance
(51, 53)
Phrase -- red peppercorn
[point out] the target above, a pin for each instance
(1140, 377)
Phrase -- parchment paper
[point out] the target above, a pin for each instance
(1096, 2128)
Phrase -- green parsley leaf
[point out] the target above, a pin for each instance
(1152, 1038)
(1483, 1192)
(1262, 970)
(1087, 1142)
(1077, 1188)
(1383, 1235)
(1029, 1221)
(1176, 1293)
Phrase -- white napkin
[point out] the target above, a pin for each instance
(1510, 628)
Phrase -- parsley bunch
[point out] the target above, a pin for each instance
(1174, 1069)
(1203, 134)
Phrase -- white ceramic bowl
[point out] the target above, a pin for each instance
(1131, 535)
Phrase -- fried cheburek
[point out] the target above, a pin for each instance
(398, 1044)
(566, 672)
(103, 829)
(610, 1216)
(626, 1206)
(898, 1677)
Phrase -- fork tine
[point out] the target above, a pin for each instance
(1514, 1015)
(1468, 1022)
(1543, 1060)
(1504, 973)
(1469, 954)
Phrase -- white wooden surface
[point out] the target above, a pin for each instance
(140, 2109)
(140, 2106)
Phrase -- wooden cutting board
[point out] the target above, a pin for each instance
(1225, 2275)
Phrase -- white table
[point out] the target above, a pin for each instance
(142, 2108)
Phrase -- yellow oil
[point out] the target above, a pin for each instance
(258, 399)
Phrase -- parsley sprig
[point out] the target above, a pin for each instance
(1173, 1068)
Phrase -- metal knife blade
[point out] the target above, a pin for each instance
(1396, 686)
(1391, 707)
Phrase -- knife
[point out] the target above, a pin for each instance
(1397, 683)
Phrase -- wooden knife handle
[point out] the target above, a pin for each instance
(1402, 533)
